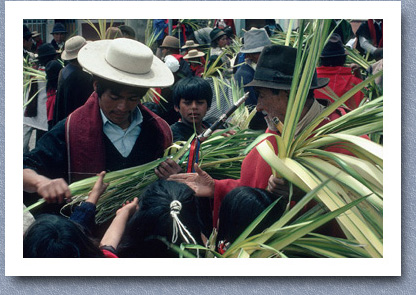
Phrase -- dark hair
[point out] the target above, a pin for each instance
(52, 70)
(153, 222)
(116, 88)
(192, 88)
(333, 61)
(241, 207)
(53, 236)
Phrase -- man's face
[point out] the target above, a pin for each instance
(59, 37)
(192, 111)
(271, 104)
(118, 107)
(165, 52)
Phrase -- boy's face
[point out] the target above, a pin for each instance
(192, 111)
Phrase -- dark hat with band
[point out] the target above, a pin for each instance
(58, 28)
(216, 33)
(275, 69)
(334, 47)
(46, 49)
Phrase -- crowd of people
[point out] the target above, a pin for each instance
(89, 120)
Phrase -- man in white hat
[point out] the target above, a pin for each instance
(74, 84)
(112, 130)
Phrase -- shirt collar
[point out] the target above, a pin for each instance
(136, 116)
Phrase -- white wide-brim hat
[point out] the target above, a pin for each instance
(125, 61)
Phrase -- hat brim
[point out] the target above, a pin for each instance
(67, 56)
(254, 50)
(92, 58)
(322, 82)
(200, 54)
(192, 46)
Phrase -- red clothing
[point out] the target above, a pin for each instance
(50, 103)
(108, 254)
(373, 34)
(341, 80)
(255, 172)
(198, 70)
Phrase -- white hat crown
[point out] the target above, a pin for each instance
(129, 56)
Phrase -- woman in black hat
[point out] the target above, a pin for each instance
(341, 79)
(219, 41)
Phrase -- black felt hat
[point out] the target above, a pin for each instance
(334, 47)
(275, 69)
(58, 28)
(46, 50)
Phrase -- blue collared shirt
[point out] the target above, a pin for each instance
(123, 140)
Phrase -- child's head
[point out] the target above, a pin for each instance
(192, 97)
(53, 236)
(239, 209)
(154, 220)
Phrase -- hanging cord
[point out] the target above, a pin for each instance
(178, 227)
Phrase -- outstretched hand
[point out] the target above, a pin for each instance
(130, 207)
(201, 182)
(98, 189)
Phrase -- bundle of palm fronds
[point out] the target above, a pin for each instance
(220, 156)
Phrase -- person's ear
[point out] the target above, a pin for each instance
(176, 109)
(95, 85)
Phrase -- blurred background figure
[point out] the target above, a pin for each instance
(59, 36)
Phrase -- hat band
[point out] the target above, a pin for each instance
(266, 74)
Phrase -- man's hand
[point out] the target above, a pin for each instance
(280, 187)
(167, 168)
(53, 190)
(356, 69)
(202, 184)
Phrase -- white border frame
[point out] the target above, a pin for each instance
(390, 265)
